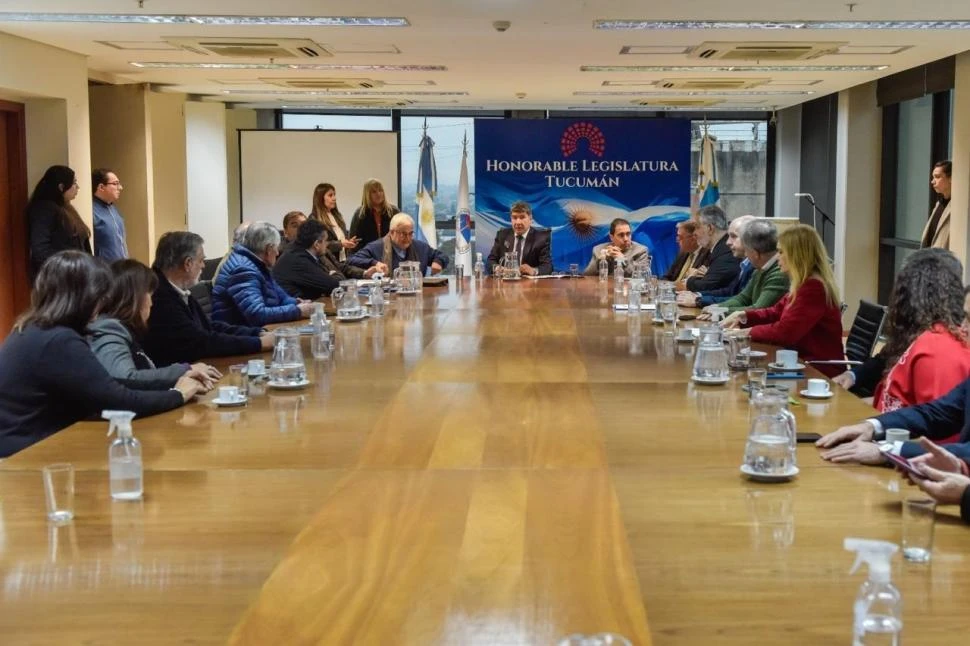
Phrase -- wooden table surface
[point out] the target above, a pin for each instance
(505, 464)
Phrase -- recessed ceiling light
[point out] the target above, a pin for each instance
(290, 66)
(782, 25)
(340, 93)
(673, 93)
(733, 68)
(178, 19)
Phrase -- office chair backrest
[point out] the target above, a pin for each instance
(865, 330)
(202, 293)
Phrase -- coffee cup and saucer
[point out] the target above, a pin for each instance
(230, 396)
(817, 389)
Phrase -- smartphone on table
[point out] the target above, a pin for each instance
(904, 464)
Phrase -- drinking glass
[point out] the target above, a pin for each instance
(668, 311)
(919, 519)
(573, 270)
(59, 491)
(757, 378)
(239, 377)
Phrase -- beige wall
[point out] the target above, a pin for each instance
(167, 119)
(119, 141)
(53, 83)
(960, 194)
(207, 179)
(857, 176)
(236, 120)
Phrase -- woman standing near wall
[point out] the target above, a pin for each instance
(372, 219)
(326, 212)
(53, 222)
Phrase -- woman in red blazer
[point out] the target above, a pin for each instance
(808, 318)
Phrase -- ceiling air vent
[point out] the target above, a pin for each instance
(679, 103)
(711, 83)
(763, 51)
(371, 102)
(325, 83)
(252, 47)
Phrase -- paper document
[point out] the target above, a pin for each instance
(644, 307)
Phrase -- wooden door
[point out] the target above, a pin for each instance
(14, 285)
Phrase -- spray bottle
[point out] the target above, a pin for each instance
(878, 606)
(124, 456)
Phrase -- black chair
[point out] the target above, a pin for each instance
(865, 331)
(202, 293)
(209, 271)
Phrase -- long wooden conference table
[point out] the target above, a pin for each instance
(498, 465)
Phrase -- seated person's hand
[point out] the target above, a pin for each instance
(349, 243)
(206, 369)
(846, 379)
(687, 299)
(680, 286)
(527, 270)
(189, 387)
(436, 268)
(936, 457)
(862, 431)
(861, 451)
(381, 267)
(370, 271)
(732, 321)
(306, 308)
(698, 272)
(613, 252)
(267, 341)
(945, 488)
(704, 316)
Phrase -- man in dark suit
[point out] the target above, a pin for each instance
(690, 256)
(533, 245)
(178, 329)
(299, 271)
(723, 266)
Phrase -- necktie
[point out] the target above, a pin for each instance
(518, 247)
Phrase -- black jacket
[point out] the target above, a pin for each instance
(48, 234)
(537, 252)
(182, 333)
(302, 276)
(362, 225)
(50, 379)
(722, 268)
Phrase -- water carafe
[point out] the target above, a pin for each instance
(770, 450)
(346, 300)
(711, 360)
(510, 266)
(408, 278)
(287, 367)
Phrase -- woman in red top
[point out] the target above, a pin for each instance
(808, 318)
(927, 349)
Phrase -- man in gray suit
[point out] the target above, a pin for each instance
(621, 245)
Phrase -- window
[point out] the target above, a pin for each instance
(335, 122)
(741, 150)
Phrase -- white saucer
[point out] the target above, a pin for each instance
(755, 354)
(710, 380)
(764, 477)
(288, 386)
(408, 292)
(510, 278)
(805, 393)
(235, 402)
(778, 366)
(362, 316)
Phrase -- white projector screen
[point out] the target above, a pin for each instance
(279, 169)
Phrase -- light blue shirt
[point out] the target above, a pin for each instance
(109, 232)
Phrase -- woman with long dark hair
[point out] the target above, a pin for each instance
(123, 320)
(927, 353)
(49, 378)
(372, 219)
(52, 221)
(326, 212)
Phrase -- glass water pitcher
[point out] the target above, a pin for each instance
(711, 360)
(287, 366)
(770, 449)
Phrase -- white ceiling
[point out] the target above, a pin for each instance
(539, 56)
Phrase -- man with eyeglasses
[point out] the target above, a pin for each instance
(109, 227)
(397, 246)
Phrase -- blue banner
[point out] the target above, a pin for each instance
(578, 175)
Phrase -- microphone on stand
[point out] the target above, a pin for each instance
(811, 200)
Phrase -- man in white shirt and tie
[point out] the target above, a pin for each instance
(532, 245)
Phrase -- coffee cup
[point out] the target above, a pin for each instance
(228, 393)
(786, 358)
(818, 387)
(257, 367)
(897, 434)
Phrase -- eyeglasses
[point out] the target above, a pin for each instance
(404, 234)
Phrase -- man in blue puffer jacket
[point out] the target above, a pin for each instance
(245, 293)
